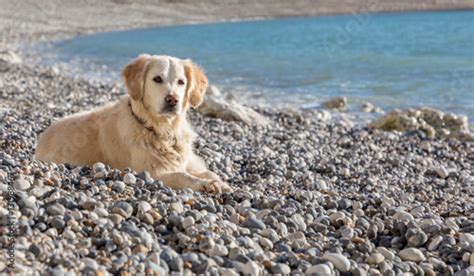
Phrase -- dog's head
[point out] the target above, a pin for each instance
(165, 85)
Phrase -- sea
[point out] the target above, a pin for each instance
(392, 60)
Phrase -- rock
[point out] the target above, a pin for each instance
(339, 261)
(442, 172)
(251, 268)
(187, 222)
(320, 269)
(411, 254)
(435, 242)
(177, 206)
(8, 56)
(129, 179)
(403, 216)
(98, 167)
(466, 237)
(432, 122)
(216, 106)
(21, 184)
(118, 186)
(375, 258)
(336, 103)
(218, 250)
(143, 207)
(389, 255)
(123, 209)
(253, 222)
(367, 107)
(280, 268)
(56, 210)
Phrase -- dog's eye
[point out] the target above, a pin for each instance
(181, 82)
(158, 79)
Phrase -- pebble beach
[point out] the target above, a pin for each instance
(316, 193)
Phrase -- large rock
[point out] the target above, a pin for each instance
(339, 103)
(214, 105)
(432, 122)
(9, 56)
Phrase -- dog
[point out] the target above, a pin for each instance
(146, 130)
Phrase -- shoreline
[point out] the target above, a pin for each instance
(23, 22)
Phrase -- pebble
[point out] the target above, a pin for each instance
(442, 172)
(339, 261)
(56, 210)
(375, 258)
(251, 268)
(253, 222)
(129, 179)
(123, 209)
(320, 269)
(21, 184)
(412, 254)
(118, 186)
(280, 268)
(187, 222)
(177, 207)
(435, 242)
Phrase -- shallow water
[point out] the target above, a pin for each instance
(391, 60)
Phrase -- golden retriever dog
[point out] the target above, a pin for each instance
(146, 130)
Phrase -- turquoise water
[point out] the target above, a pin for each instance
(391, 60)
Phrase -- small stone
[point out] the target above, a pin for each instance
(143, 207)
(389, 255)
(58, 223)
(187, 222)
(411, 254)
(123, 208)
(320, 269)
(21, 184)
(218, 250)
(266, 243)
(403, 216)
(253, 222)
(336, 216)
(98, 167)
(140, 249)
(129, 179)
(280, 268)
(442, 172)
(251, 268)
(339, 261)
(147, 218)
(435, 242)
(177, 206)
(56, 210)
(466, 237)
(118, 186)
(375, 258)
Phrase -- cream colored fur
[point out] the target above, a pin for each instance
(158, 142)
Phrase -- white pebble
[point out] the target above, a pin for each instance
(339, 261)
(411, 254)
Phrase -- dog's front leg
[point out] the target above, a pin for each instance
(181, 180)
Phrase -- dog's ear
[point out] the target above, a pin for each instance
(197, 83)
(134, 76)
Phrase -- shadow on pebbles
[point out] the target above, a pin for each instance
(312, 196)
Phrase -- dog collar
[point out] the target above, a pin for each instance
(140, 120)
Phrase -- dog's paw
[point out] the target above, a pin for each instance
(217, 187)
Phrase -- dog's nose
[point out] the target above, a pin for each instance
(171, 100)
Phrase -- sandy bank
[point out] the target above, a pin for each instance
(22, 21)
